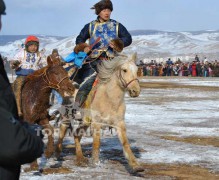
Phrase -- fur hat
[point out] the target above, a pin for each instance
(80, 47)
(118, 44)
(101, 5)
(55, 51)
(2, 7)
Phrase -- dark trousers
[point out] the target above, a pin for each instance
(86, 77)
(17, 88)
(86, 70)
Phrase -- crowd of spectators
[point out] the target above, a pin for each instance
(195, 68)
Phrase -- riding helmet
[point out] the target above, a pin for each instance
(30, 41)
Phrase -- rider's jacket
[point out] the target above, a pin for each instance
(106, 31)
(29, 62)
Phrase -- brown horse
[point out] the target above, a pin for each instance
(36, 92)
(105, 106)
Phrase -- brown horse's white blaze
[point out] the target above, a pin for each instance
(107, 108)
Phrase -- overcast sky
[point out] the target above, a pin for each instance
(67, 17)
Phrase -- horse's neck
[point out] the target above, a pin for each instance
(40, 89)
(113, 92)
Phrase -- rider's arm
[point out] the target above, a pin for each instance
(17, 60)
(18, 145)
(124, 35)
(84, 35)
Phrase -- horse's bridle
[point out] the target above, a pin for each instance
(124, 83)
(49, 83)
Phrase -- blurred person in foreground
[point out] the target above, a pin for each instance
(19, 143)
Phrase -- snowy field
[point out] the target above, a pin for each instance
(153, 121)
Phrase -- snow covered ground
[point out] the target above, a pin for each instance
(180, 112)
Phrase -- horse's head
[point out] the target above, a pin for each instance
(127, 75)
(57, 78)
(123, 70)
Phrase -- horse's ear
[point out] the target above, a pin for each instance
(49, 61)
(134, 57)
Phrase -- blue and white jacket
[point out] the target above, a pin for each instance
(107, 31)
(29, 62)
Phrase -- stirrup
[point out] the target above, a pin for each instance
(76, 85)
(77, 115)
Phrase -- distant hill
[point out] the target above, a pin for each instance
(149, 44)
(5, 39)
(145, 32)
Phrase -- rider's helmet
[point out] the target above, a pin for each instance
(30, 41)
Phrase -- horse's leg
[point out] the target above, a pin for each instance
(62, 131)
(34, 165)
(50, 131)
(80, 159)
(96, 143)
(121, 131)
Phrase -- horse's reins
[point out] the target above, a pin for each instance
(89, 54)
(49, 83)
(124, 83)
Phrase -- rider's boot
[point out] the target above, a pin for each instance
(18, 83)
(84, 90)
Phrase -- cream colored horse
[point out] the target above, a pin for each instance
(105, 106)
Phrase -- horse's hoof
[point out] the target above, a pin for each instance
(56, 165)
(41, 170)
(95, 162)
(60, 158)
(137, 169)
(20, 116)
(82, 161)
(34, 166)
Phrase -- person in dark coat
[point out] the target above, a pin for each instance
(198, 69)
(19, 143)
(197, 58)
(113, 38)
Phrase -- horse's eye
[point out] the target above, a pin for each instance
(124, 70)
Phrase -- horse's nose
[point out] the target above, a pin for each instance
(134, 93)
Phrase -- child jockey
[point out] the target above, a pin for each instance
(24, 63)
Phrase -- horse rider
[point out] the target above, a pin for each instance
(113, 38)
(24, 63)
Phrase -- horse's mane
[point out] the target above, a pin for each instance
(36, 74)
(108, 67)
